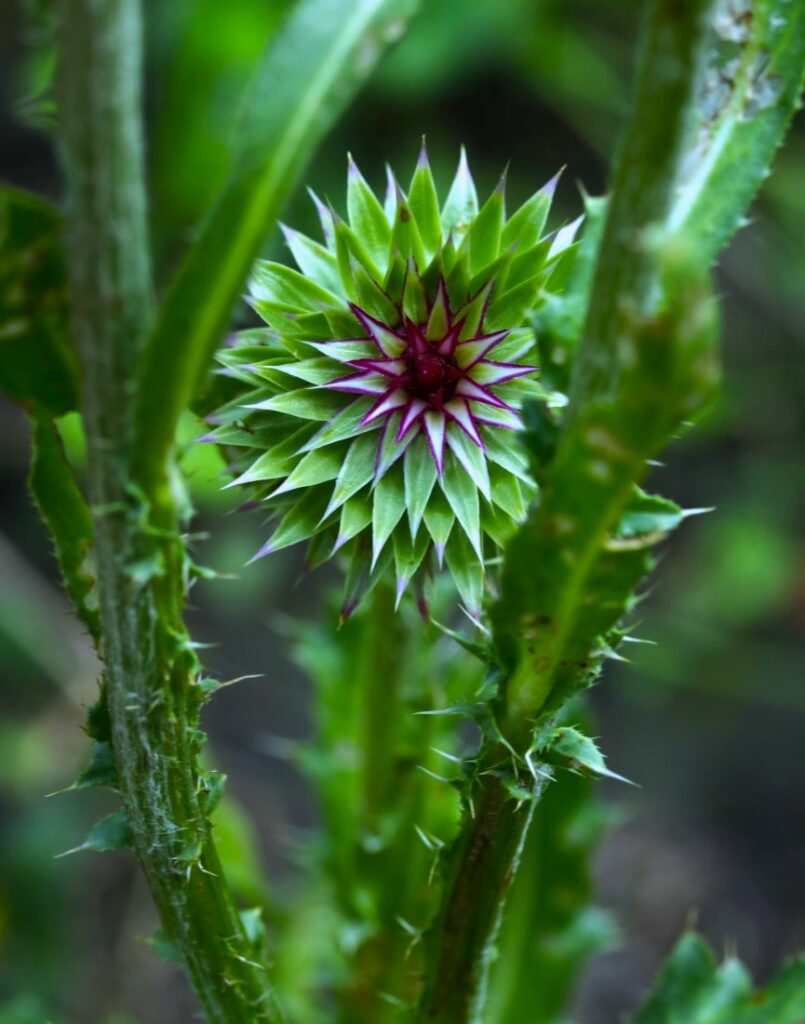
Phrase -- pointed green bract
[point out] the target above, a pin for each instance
(366, 217)
(524, 228)
(420, 476)
(356, 470)
(462, 496)
(483, 238)
(461, 205)
(439, 520)
(377, 414)
(314, 260)
(424, 203)
(389, 506)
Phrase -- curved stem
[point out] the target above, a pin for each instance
(150, 668)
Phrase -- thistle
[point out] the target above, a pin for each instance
(375, 414)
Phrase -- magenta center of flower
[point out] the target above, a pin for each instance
(431, 384)
(431, 376)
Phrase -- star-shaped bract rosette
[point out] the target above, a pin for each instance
(376, 413)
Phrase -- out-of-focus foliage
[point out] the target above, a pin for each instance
(694, 988)
(36, 361)
(378, 759)
(202, 55)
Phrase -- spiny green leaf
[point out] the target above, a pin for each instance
(578, 752)
(510, 457)
(526, 264)
(101, 769)
(390, 449)
(371, 297)
(474, 313)
(164, 948)
(312, 371)
(754, 73)
(253, 924)
(110, 833)
(649, 513)
(98, 725)
(782, 1001)
(395, 278)
(497, 525)
(507, 493)
(551, 927)
(211, 786)
(415, 299)
(511, 307)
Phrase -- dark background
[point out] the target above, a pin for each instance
(710, 722)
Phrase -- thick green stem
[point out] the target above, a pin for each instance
(548, 626)
(149, 664)
(643, 192)
(483, 865)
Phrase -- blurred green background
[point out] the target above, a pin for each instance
(710, 722)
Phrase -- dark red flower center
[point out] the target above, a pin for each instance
(431, 376)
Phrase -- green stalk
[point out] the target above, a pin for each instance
(148, 660)
(642, 195)
(377, 683)
(544, 650)
(483, 864)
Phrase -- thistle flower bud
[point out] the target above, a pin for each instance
(375, 412)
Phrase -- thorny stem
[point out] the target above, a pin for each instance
(489, 847)
(149, 664)
(482, 868)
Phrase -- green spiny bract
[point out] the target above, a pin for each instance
(378, 408)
